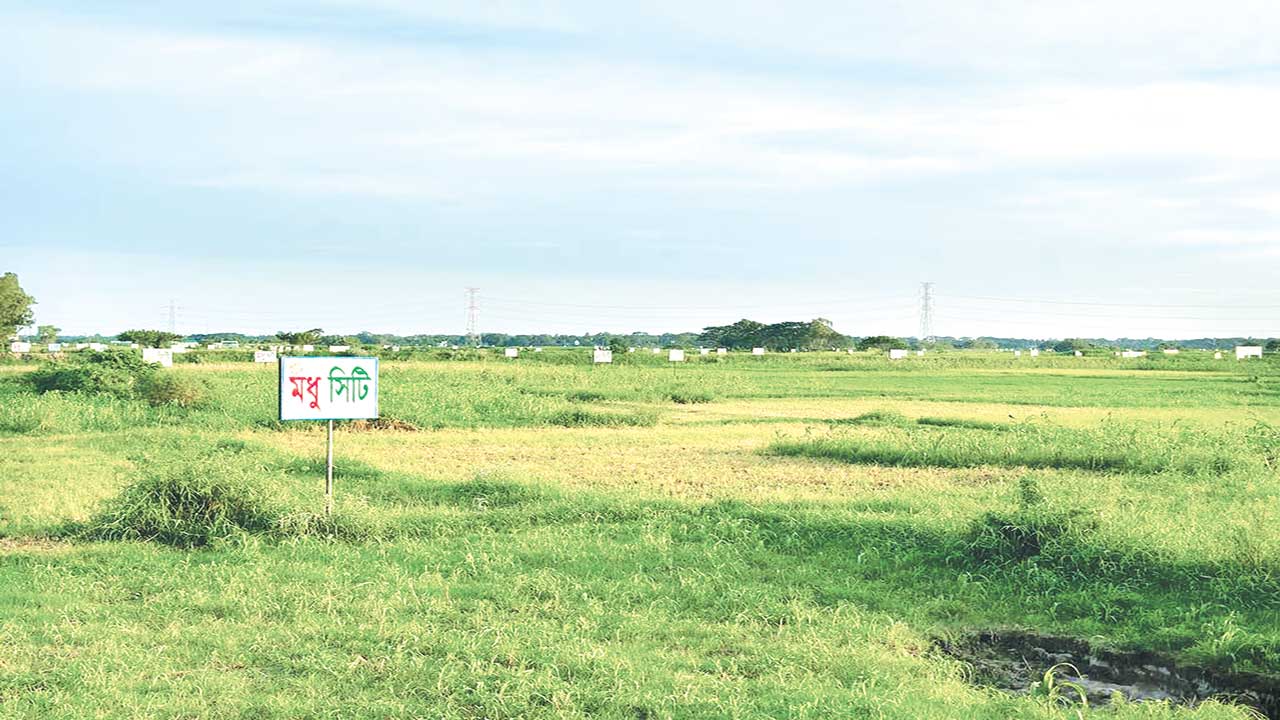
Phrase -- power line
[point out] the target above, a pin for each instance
(1105, 304)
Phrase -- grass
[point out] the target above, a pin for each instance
(567, 541)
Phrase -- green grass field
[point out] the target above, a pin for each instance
(784, 537)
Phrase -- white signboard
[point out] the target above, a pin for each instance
(1170, 351)
(54, 347)
(676, 356)
(897, 354)
(264, 356)
(308, 348)
(919, 353)
(1017, 353)
(328, 388)
(156, 356)
(537, 349)
(339, 348)
(178, 349)
(602, 356)
(1132, 354)
(1035, 352)
(704, 351)
(757, 351)
(1217, 356)
(19, 347)
(1079, 354)
(1242, 351)
(657, 351)
(722, 351)
(511, 352)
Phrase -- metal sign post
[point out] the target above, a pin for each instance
(328, 388)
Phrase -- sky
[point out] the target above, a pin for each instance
(1098, 169)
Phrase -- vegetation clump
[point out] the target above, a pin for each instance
(188, 505)
(118, 373)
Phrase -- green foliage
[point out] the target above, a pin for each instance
(15, 306)
(881, 342)
(48, 333)
(188, 504)
(816, 334)
(170, 388)
(119, 373)
(301, 337)
(686, 396)
(149, 338)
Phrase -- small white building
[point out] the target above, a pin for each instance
(1248, 351)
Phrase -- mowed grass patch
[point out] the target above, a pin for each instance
(1108, 447)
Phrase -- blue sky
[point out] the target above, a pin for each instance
(648, 166)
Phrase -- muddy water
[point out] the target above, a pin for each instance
(1013, 661)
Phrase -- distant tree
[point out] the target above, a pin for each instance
(1071, 345)
(881, 342)
(148, 338)
(618, 345)
(301, 337)
(48, 333)
(982, 344)
(1273, 345)
(15, 305)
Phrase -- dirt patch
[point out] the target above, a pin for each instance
(20, 545)
(1013, 661)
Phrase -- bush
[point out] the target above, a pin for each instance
(690, 397)
(167, 388)
(114, 372)
(188, 505)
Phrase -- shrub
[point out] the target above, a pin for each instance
(167, 388)
(114, 372)
(690, 397)
(188, 505)
(1028, 532)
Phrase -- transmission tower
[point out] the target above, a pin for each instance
(926, 312)
(473, 313)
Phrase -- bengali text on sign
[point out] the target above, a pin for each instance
(328, 388)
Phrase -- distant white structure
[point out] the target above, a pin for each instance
(1079, 354)
(97, 347)
(156, 356)
(1035, 352)
(919, 353)
(54, 347)
(793, 349)
(757, 351)
(308, 348)
(897, 354)
(1170, 351)
(657, 351)
(339, 348)
(722, 351)
(602, 356)
(675, 355)
(537, 349)
(1217, 356)
(704, 351)
(1017, 353)
(19, 347)
(511, 352)
(265, 356)
(1133, 354)
(1248, 351)
(631, 349)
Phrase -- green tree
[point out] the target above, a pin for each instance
(149, 338)
(881, 342)
(301, 337)
(48, 333)
(15, 305)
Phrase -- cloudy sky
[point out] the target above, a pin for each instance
(1056, 169)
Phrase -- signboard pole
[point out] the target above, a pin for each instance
(328, 476)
